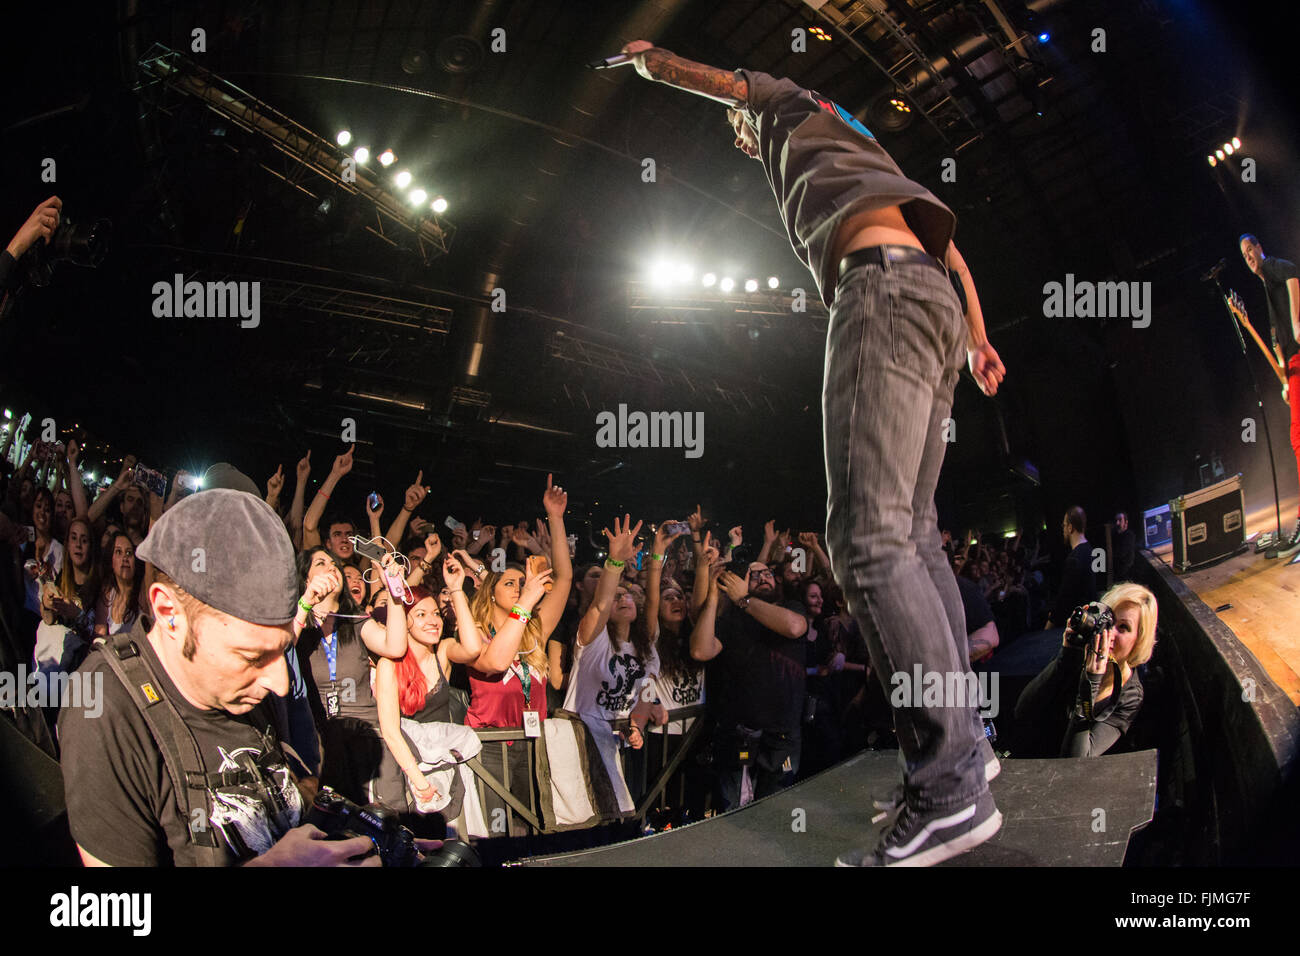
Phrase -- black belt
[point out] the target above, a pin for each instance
(883, 255)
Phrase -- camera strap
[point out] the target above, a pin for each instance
(180, 751)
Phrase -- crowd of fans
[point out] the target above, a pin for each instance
(498, 627)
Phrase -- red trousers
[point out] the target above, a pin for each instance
(1293, 385)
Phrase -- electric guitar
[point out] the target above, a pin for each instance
(1238, 308)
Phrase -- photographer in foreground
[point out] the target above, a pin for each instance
(41, 224)
(195, 681)
(1092, 687)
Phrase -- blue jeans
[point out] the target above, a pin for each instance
(894, 350)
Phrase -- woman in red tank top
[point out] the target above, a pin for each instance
(515, 613)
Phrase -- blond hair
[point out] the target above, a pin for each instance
(1148, 613)
(532, 647)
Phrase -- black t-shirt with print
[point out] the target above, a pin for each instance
(122, 807)
(764, 672)
(1275, 273)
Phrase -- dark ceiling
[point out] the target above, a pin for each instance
(1067, 160)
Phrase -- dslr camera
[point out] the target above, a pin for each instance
(341, 819)
(82, 244)
(1089, 620)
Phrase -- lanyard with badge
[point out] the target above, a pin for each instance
(332, 659)
(532, 720)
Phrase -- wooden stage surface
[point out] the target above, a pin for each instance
(1264, 594)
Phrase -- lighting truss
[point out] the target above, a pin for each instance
(738, 396)
(309, 163)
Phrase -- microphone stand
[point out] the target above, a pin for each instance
(1271, 549)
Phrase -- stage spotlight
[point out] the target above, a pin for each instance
(362, 154)
(1044, 37)
(727, 284)
(1213, 161)
(386, 158)
(403, 179)
(773, 282)
(661, 273)
(418, 196)
(751, 285)
(1219, 153)
(710, 280)
(684, 272)
(439, 205)
(344, 137)
(1227, 148)
(1236, 143)
(900, 105)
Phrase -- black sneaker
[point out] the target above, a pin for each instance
(927, 837)
(894, 799)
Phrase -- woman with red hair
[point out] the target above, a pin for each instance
(415, 685)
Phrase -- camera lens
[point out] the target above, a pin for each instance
(453, 853)
(82, 244)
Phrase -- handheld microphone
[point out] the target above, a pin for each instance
(1214, 271)
(618, 59)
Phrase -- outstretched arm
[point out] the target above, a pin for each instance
(724, 86)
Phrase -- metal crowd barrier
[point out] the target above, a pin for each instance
(528, 815)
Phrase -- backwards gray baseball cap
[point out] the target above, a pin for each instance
(246, 563)
(225, 475)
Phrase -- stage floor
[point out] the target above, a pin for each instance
(1068, 812)
(1264, 594)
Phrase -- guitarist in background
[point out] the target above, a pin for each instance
(1282, 288)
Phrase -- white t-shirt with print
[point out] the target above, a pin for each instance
(675, 692)
(605, 684)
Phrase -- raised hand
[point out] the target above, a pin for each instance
(734, 585)
(73, 453)
(534, 588)
(273, 484)
(304, 467)
(378, 510)
(737, 536)
(808, 539)
(520, 536)
(663, 539)
(471, 564)
(343, 462)
(123, 480)
(769, 531)
(416, 494)
(711, 553)
(39, 225)
(622, 541)
(555, 500)
(453, 573)
(543, 536)
(432, 546)
(459, 536)
(696, 520)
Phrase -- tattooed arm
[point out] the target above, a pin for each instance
(662, 66)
